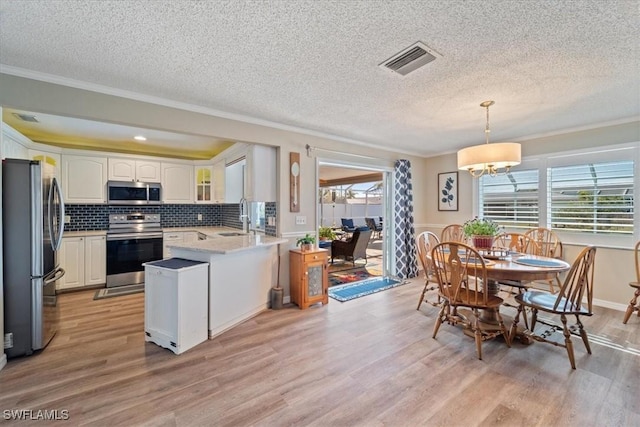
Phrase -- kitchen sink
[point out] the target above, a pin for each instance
(230, 233)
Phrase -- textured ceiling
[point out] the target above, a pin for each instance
(550, 66)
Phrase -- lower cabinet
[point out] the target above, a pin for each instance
(84, 260)
(176, 237)
(308, 277)
(176, 303)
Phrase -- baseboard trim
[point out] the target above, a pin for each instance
(608, 304)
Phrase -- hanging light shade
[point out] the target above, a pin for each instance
(492, 159)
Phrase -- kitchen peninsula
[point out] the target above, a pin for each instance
(242, 270)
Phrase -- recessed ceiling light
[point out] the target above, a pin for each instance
(139, 138)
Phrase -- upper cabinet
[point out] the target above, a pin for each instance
(218, 182)
(177, 183)
(204, 184)
(121, 169)
(251, 175)
(234, 181)
(14, 144)
(84, 179)
(260, 175)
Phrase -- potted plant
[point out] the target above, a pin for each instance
(326, 233)
(481, 231)
(306, 242)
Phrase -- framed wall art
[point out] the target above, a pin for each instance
(448, 191)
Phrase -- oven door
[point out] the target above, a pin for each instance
(126, 252)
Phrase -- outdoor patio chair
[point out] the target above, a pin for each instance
(353, 248)
(373, 226)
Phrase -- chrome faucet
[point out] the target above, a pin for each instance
(244, 217)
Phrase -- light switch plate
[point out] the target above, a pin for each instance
(67, 219)
(301, 220)
(199, 217)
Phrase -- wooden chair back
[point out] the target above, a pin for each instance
(461, 273)
(577, 288)
(425, 242)
(453, 233)
(548, 241)
(517, 242)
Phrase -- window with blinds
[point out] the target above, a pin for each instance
(593, 197)
(511, 200)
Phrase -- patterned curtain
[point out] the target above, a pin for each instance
(404, 233)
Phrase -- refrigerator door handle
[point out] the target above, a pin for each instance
(55, 195)
(57, 274)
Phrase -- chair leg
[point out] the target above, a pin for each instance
(632, 306)
(503, 328)
(477, 332)
(567, 341)
(583, 334)
(441, 316)
(424, 291)
(514, 325)
(534, 318)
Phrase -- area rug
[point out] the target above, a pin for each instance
(119, 291)
(354, 275)
(366, 287)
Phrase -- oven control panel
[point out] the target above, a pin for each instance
(135, 218)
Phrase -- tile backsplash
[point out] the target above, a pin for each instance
(96, 217)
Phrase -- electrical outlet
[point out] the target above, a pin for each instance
(301, 220)
(199, 217)
(271, 221)
(67, 219)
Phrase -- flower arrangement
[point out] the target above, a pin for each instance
(480, 227)
(326, 233)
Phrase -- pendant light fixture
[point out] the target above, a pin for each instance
(491, 159)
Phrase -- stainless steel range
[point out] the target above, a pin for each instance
(132, 240)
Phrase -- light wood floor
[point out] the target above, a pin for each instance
(366, 362)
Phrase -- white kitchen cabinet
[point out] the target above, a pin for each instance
(95, 251)
(84, 179)
(71, 258)
(171, 238)
(234, 181)
(121, 169)
(176, 303)
(177, 183)
(218, 181)
(203, 184)
(14, 144)
(54, 159)
(260, 174)
(84, 260)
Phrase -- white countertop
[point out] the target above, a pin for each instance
(229, 244)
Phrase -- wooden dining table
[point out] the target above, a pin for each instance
(517, 267)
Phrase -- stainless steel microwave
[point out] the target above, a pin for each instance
(134, 193)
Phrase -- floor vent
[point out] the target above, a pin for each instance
(410, 59)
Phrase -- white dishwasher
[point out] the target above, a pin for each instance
(176, 293)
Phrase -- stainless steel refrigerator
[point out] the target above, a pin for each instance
(32, 224)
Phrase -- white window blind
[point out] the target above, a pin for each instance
(592, 197)
(511, 200)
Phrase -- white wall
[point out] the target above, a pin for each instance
(3, 356)
(33, 95)
(614, 268)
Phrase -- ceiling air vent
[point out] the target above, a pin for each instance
(26, 117)
(410, 59)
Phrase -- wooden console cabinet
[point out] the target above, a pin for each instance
(308, 277)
